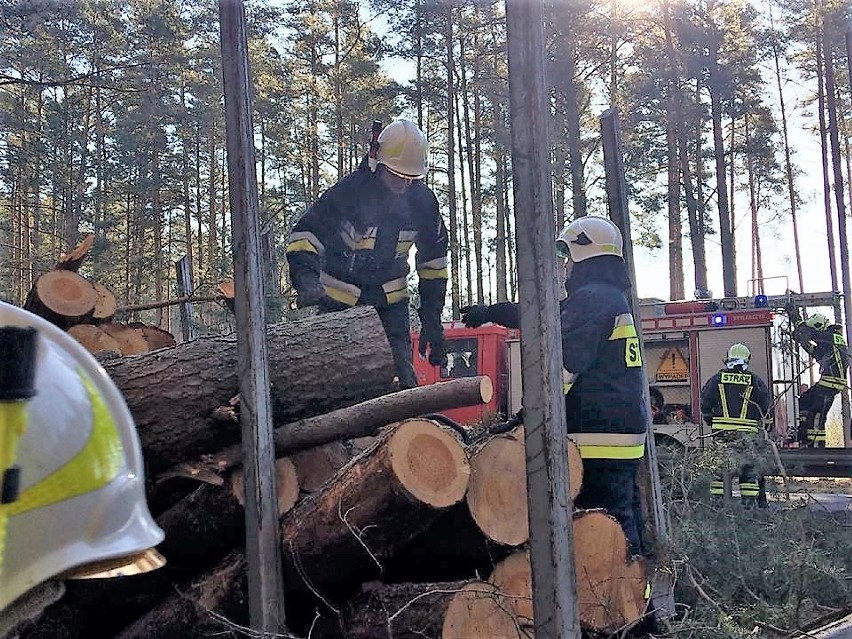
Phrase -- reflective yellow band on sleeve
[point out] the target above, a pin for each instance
(402, 248)
(834, 383)
(339, 290)
(301, 245)
(433, 273)
(612, 452)
(623, 332)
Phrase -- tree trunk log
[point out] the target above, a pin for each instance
(610, 587)
(188, 613)
(173, 393)
(62, 298)
(131, 340)
(497, 496)
(315, 466)
(477, 613)
(72, 260)
(105, 304)
(393, 611)
(94, 339)
(338, 537)
(365, 418)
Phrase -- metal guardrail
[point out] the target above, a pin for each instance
(817, 462)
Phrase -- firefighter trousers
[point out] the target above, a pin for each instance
(815, 401)
(752, 485)
(398, 330)
(611, 484)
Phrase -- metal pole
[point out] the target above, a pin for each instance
(619, 212)
(184, 290)
(551, 548)
(263, 542)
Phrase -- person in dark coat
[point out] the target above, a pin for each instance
(351, 247)
(602, 369)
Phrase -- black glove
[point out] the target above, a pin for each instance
(475, 315)
(310, 295)
(433, 337)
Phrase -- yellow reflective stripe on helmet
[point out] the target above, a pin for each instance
(13, 423)
(96, 465)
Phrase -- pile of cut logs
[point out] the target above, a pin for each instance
(85, 309)
(392, 524)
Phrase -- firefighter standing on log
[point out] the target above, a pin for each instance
(602, 374)
(823, 341)
(734, 403)
(351, 247)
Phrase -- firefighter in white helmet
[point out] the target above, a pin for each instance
(73, 492)
(824, 341)
(351, 247)
(602, 368)
(735, 404)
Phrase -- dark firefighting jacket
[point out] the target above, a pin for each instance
(356, 238)
(602, 374)
(602, 361)
(735, 401)
(828, 347)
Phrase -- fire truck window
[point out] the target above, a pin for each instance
(462, 359)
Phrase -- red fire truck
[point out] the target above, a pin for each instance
(685, 344)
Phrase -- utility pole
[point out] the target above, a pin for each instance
(551, 548)
(619, 212)
(263, 539)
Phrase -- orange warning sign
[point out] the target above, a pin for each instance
(673, 367)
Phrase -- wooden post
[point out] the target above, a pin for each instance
(551, 549)
(619, 213)
(263, 539)
(184, 289)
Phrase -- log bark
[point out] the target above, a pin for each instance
(339, 536)
(393, 611)
(365, 418)
(173, 392)
(62, 298)
(94, 339)
(188, 612)
(315, 466)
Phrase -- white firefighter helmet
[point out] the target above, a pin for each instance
(738, 355)
(589, 236)
(79, 508)
(403, 150)
(817, 321)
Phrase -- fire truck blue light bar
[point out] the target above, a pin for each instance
(719, 320)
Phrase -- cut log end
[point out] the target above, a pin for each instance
(131, 340)
(513, 578)
(314, 466)
(105, 303)
(575, 469)
(286, 480)
(486, 389)
(497, 497)
(94, 339)
(429, 463)
(475, 613)
(66, 293)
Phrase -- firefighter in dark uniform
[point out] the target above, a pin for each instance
(734, 402)
(602, 374)
(351, 247)
(825, 343)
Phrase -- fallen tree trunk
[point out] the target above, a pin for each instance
(173, 393)
(338, 537)
(361, 419)
(218, 591)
